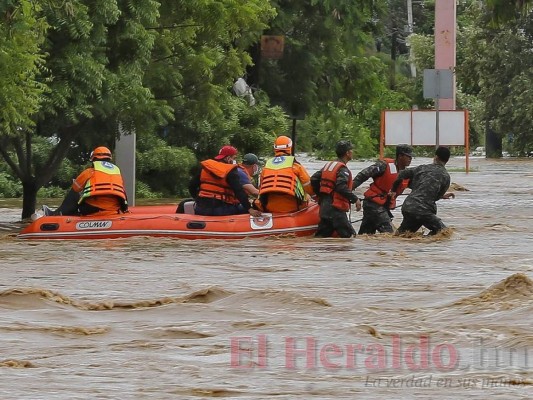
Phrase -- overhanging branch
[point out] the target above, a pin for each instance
(4, 143)
(175, 26)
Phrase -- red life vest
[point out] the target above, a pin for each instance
(328, 182)
(378, 190)
(213, 183)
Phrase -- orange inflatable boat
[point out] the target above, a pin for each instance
(162, 221)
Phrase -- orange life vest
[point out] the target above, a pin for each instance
(213, 183)
(278, 177)
(378, 190)
(328, 182)
(106, 180)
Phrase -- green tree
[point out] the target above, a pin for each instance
(200, 52)
(163, 168)
(97, 53)
(490, 70)
(492, 82)
(21, 35)
(330, 72)
(318, 36)
(22, 32)
(502, 11)
(140, 64)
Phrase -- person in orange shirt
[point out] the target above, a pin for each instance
(285, 184)
(98, 189)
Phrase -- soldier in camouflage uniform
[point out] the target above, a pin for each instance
(333, 184)
(376, 205)
(428, 184)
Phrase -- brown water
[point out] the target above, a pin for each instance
(379, 317)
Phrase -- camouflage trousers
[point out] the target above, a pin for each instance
(376, 218)
(413, 222)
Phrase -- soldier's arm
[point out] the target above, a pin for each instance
(407, 173)
(341, 185)
(315, 181)
(444, 187)
(372, 171)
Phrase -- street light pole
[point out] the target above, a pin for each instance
(410, 32)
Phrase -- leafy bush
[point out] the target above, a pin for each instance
(143, 191)
(322, 131)
(9, 187)
(162, 168)
(51, 192)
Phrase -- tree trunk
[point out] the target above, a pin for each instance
(493, 143)
(392, 77)
(29, 198)
(252, 72)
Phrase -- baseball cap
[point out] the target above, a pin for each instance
(250, 159)
(225, 152)
(404, 149)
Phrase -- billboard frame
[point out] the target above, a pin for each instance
(418, 128)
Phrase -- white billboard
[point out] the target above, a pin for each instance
(419, 127)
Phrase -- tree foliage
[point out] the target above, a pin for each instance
(21, 35)
(330, 72)
(138, 63)
(97, 52)
(318, 36)
(493, 83)
(491, 72)
(503, 11)
(72, 72)
(201, 50)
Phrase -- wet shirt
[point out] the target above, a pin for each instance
(428, 183)
(341, 186)
(244, 178)
(373, 171)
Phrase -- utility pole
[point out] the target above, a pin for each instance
(445, 46)
(410, 32)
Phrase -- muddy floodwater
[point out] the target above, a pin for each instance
(375, 317)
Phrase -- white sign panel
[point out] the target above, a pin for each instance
(397, 127)
(418, 128)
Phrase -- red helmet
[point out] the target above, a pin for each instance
(101, 153)
(283, 144)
